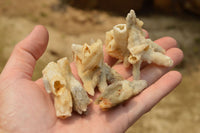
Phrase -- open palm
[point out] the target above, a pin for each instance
(25, 107)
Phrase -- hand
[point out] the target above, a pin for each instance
(25, 107)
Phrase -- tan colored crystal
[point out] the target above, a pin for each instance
(91, 68)
(67, 91)
(120, 91)
(127, 42)
(79, 95)
(54, 82)
(89, 59)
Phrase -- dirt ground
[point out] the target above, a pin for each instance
(179, 112)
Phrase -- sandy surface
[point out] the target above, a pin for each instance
(178, 112)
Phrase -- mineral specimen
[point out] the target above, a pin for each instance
(55, 82)
(67, 90)
(91, 68)
(120, 91)
(127, 42)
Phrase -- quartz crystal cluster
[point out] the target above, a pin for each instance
(128, 44)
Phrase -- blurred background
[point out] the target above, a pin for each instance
(79, 21)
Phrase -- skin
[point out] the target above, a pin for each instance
(26, 107)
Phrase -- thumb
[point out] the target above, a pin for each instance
(25, 54)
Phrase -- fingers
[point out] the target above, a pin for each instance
(143, 102)
(110, 60)
(166, 42)
(153, 72)
(25, 54)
